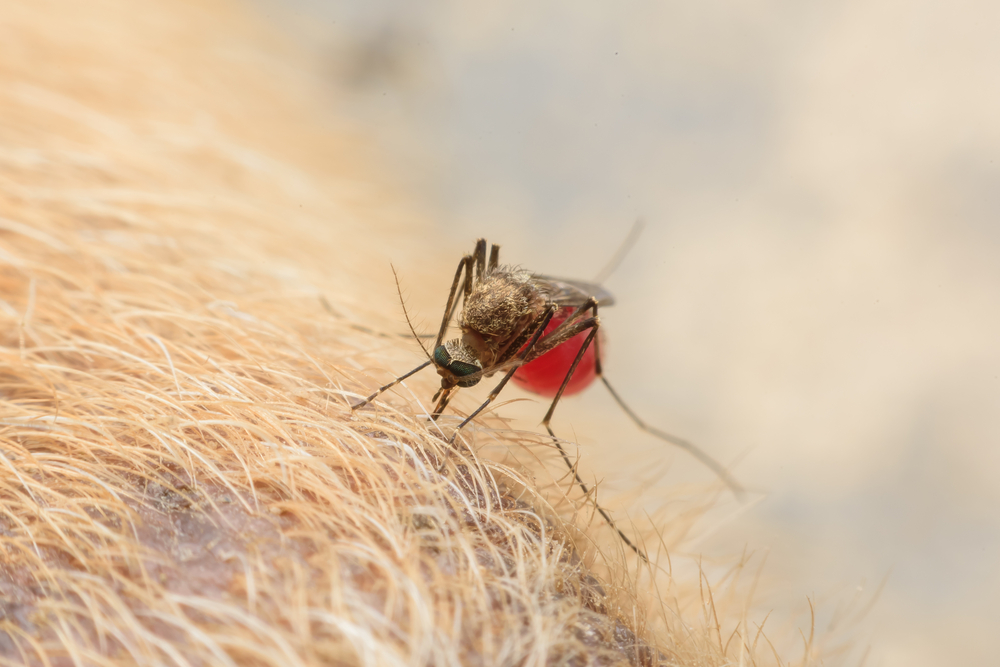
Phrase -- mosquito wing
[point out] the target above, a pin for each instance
(568, 292)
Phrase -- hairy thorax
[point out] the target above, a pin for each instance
(498, 314)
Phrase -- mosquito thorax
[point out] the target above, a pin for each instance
(460, 360)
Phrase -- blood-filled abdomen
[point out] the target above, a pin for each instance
(545, 374)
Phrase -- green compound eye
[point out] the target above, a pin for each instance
(461, 369)
(443, 358)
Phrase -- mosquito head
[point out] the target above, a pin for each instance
(458, 360)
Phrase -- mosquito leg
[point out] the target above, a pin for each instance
(586, 492)
(592, 323)
(466, 290)
(390, 385)
(467, 262)
(539, 330)
(449, 310)
(442, 398)
(494, 256)
(690, 448)
(480, 256)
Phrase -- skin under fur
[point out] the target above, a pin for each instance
(182, 481)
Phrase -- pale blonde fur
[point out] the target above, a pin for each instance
(185, 322)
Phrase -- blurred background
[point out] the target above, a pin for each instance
(815, 299)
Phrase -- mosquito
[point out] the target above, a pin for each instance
(511, 320)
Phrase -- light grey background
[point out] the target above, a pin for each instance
(817, 292)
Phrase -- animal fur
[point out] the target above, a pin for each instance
(183, 327)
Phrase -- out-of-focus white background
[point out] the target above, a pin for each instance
(816, 296)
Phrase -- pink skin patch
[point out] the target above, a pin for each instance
(544, 375)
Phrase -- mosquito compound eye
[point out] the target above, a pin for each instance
(441, 356)
(458, 359)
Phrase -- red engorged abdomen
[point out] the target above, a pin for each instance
(545, 374)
